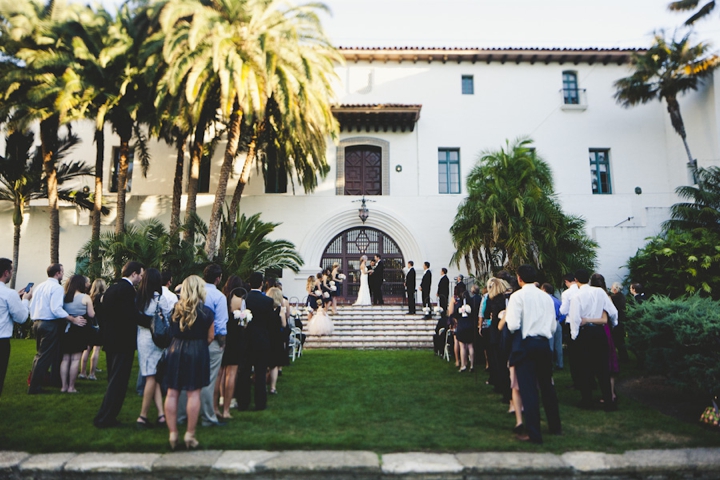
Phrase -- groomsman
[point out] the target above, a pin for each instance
(443, 291)
(377, 273)
(426, 286)
(410, 287)
(13, 308)
(371, 279)
(120, 320)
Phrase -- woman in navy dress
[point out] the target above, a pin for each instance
(188, 357)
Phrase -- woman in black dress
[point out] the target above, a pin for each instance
(496, 303)
(234, 292)
(188, 357)
(465, 330)
(278, 337)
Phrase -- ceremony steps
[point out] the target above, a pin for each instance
(375, 327)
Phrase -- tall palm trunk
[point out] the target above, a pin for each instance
(97, 204)
(49, 139)
(673, 108)
(196, 151)
(123, 166)
(242, 181)
(230, 153)
(181, 141)
(17, 223)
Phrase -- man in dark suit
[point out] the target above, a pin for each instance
(378, 272)
(426, 286)
(121, 317)
(443, 291)
(257, 349)
(371, 279)
(410, 287)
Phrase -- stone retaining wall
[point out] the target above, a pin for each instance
(702, 463)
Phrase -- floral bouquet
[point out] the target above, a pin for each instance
(326, 294)
(295, 312)
(333, 287)
(426, 310)
(438, 310)
(318, 293)
(243, 317)
(308, 309)
(341, 276)
(465, 309)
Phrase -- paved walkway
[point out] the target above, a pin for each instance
(702, 463)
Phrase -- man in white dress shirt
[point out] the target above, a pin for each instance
(532, 311)
(571, 289)
(12, 309)
(586, 328)
(49, 321)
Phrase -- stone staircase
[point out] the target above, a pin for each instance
(376, 327)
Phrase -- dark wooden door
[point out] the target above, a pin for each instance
(363, 170)
(347, 248)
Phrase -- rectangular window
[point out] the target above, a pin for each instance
(571, 92)
(600, 171)
(116, 168)
(468, 85)
(275, 173)
(449, 170)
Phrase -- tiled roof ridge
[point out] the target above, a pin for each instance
(494, 49)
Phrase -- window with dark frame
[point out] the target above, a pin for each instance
(468, 85)
(571, 92)
(363, 170)
(449, 170)
(116, 168)
(600, 170)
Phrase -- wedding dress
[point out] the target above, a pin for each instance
(320, 323)
(364, 293)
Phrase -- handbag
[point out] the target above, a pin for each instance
(711, 415)
(160, 329)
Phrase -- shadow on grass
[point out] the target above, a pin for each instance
(383, 401)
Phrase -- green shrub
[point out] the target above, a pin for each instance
(679, 339)
(679, 263)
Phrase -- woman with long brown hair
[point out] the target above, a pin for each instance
(188, 357)
(234, 291)
(91, 355)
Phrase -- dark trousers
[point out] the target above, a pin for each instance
(119, 367)
(4, 360)
(533, 372)
(411, 301)
(257, 358)
(47, 335)
(377, 296)
(573, 357)
(592, 349)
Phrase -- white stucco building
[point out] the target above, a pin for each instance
(413, 123)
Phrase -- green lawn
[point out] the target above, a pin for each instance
(384, 401)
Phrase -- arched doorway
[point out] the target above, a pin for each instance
(347, 248)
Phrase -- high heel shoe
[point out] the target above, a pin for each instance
(190, 441)
(173, 440)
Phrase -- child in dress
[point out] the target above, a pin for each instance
(320, 323)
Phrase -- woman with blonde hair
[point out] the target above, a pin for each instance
(495, 306)
(188, 357)
(278, 352)
(312, 298)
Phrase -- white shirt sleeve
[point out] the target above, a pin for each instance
(56, 303)
(513, 313)
(565, 305)
(574, 317)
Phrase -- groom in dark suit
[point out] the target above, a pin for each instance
(410, 287)
(377, 276)
(256, 352)
(426, 286)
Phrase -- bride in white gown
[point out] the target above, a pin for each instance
(364, 293)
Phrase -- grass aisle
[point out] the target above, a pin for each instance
(384, 401)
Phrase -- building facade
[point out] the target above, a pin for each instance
(414, 122)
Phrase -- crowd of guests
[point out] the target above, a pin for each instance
(225, 346)
(520, 326)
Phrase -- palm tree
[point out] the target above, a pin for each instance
(244, 51)
(664, 71)
(511, 217)
(687, 5)
(704, 210)
(40, 82)
(246, 248)
(22, 179)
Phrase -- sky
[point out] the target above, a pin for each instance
(504, 23)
